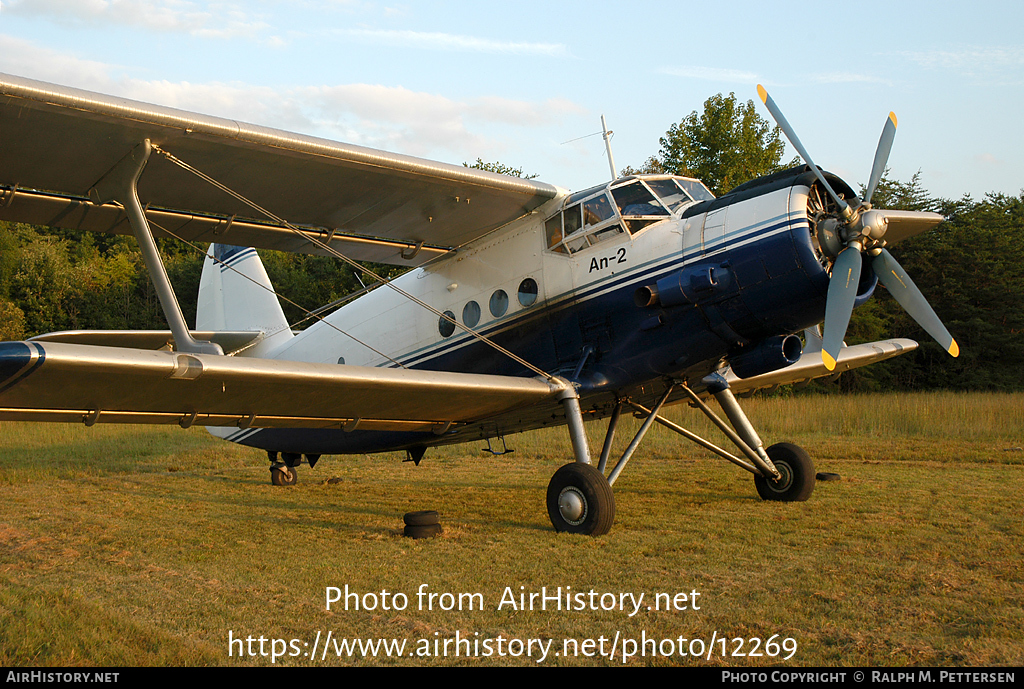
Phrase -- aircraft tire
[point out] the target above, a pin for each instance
(423, 530)
(284, 476)
(797, 469)
(580, 500)
(422, 518)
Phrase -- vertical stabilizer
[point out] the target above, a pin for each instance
(235, 294)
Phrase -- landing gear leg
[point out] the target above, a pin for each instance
(580, 499)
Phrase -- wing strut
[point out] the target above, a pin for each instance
(119, 184)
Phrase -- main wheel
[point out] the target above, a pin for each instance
(283, 476)
(580, 500)
(797, 481)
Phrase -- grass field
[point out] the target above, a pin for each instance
(149, 546)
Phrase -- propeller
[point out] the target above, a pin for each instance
(862, 228)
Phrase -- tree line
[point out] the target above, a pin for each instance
(970, 268)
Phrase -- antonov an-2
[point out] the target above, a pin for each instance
(525, 305)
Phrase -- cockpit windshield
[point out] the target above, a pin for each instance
(597, 214)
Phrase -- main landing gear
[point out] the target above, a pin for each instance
(580, 498)
(285, 471)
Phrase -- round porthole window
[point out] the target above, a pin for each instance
(499, 303)
(528, 292)
(444, 326)
(471, 314)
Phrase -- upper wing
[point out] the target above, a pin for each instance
(57, 142)
(55, 381)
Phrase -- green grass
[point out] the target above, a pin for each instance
(145, 546)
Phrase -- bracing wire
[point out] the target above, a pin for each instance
(309, 314)
(337, 254)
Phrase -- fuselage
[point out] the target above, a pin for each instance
(559, 289)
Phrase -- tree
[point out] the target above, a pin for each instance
(500, 168)
(725, 146)
(904, 196)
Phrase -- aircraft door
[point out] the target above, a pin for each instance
(712, 235)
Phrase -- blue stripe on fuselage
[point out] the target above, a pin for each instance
(634, 355)
(647, 272)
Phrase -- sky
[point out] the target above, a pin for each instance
(515, 81)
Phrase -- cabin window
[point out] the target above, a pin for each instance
(444, 326)
(528, 292)
(499, 303)
(471, 314)
(341, 360)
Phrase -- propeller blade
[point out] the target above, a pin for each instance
(891, 274)
(790, 133)
(904, 224)
(881, 155)
(842, 292)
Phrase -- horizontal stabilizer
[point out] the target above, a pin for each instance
(230, 341)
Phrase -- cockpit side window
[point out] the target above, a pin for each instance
(582, 225)
(597, 210)
(571, 220)
(553, 231)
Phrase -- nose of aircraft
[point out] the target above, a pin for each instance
(862, 228)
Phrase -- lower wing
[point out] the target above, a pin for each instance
(56, 381)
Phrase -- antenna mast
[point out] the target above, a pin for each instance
(607, 144)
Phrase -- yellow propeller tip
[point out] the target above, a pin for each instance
(954, 349)
(830, 363)
(762, 93)
(892, 116)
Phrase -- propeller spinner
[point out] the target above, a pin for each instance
(862, 228)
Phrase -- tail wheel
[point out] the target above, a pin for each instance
(796, 482)
(580, 500)
(284, 476)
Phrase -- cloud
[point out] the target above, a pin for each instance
(848, 78)
(219, 20)
(971, 60)
(710, 73)
(988, 160)
(392, 118)
(27, 59)
(454, 42)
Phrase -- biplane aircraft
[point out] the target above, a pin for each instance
(524, 305)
